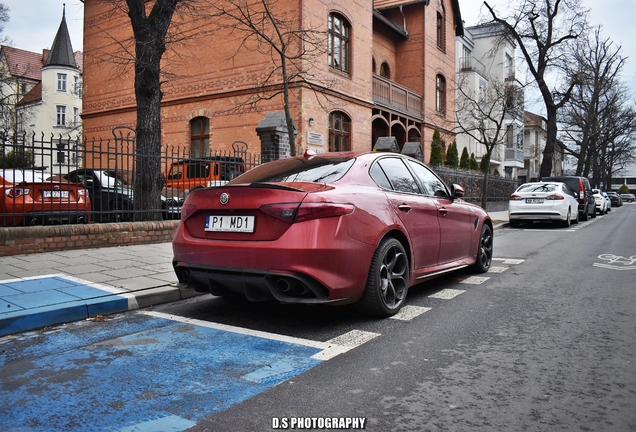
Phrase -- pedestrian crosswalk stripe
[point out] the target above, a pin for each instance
(407, 313)
(447, 294)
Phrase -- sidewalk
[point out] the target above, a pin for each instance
(45, 289)
(49, 288)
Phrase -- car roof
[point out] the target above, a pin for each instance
(24, 175)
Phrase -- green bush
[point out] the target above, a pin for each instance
(464, 162)
(473, 165)
(18, 158)
(624, 189)
(484, 165)
(452, 156)
(437, 150)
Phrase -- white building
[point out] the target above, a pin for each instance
(49, 113)
(486, 59)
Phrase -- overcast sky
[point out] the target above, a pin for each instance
(33, 24)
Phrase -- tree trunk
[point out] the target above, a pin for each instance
(550, 145)
(150, 44)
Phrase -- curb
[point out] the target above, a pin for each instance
(39, 318)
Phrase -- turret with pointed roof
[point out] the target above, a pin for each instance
(62, 51)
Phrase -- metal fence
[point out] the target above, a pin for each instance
(499, 188)
(61, 180)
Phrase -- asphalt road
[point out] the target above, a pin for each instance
(545, 341)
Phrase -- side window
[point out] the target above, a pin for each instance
(433, 185)
(200, 136)
(338, 49)
(198, 171)
(379, 177)
(399, 176)
(440, 94)
(339, 132)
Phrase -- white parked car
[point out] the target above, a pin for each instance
(603, 202)
(543, 201)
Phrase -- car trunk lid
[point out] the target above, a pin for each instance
(247, 212)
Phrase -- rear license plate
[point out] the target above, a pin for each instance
(230, 223)
(534, 200)
(55, 194)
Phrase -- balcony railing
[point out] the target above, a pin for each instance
(397, 97)
(471, 64)
(514, 155)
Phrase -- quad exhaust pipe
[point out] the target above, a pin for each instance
(296, 288)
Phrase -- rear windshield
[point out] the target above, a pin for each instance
(18, 175)
(317, 169)
(539, 187)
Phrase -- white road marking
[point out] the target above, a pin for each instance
(407, 313)
(511, 261)
(497, 269)
(330, 349)
(447, 294)
(475, 280)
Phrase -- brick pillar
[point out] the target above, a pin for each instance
(272, 131)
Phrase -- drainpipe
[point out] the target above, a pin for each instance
(404, 20)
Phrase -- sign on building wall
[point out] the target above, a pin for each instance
(314, 138)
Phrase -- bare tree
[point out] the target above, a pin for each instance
(4, 18)
(599, 119)
(546, 31)
(484, 113)
(264, 28)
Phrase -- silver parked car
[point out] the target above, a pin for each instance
(543, 201)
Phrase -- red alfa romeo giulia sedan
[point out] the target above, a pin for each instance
(330, 228)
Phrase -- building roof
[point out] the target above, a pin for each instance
(34, 95)
(23, 64)
(62, 51)
(457, 15)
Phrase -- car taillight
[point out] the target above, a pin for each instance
(581, 189)
(187, 210)
(554, 197)
(296, 212)
(322, 210)
(17, 192)
(515, 197)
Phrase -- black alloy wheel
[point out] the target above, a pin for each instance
(484, 250)
(388, 280)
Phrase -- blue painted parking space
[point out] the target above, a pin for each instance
(143, 374)
(37, 302)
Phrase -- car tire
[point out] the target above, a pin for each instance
(593, 215)
(388, 280)
(483, 260)
(568, 219)
(586, 214)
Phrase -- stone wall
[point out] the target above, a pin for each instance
(27, 240)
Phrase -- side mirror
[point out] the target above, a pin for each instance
(457, 191)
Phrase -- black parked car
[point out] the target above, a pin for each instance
(615, 198)
(583, 192)
(111, 195)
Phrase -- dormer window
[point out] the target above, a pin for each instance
(61, 82)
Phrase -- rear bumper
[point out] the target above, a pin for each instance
(547, 215)
(307, 264)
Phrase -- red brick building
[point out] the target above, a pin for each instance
(386, 70)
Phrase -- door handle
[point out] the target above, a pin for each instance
(405, 208)
(443, 211)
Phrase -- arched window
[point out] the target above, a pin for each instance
(385, 70)
(339, 30)
(441, 40)
(440, 93)
(339, 132)
(200, 136)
